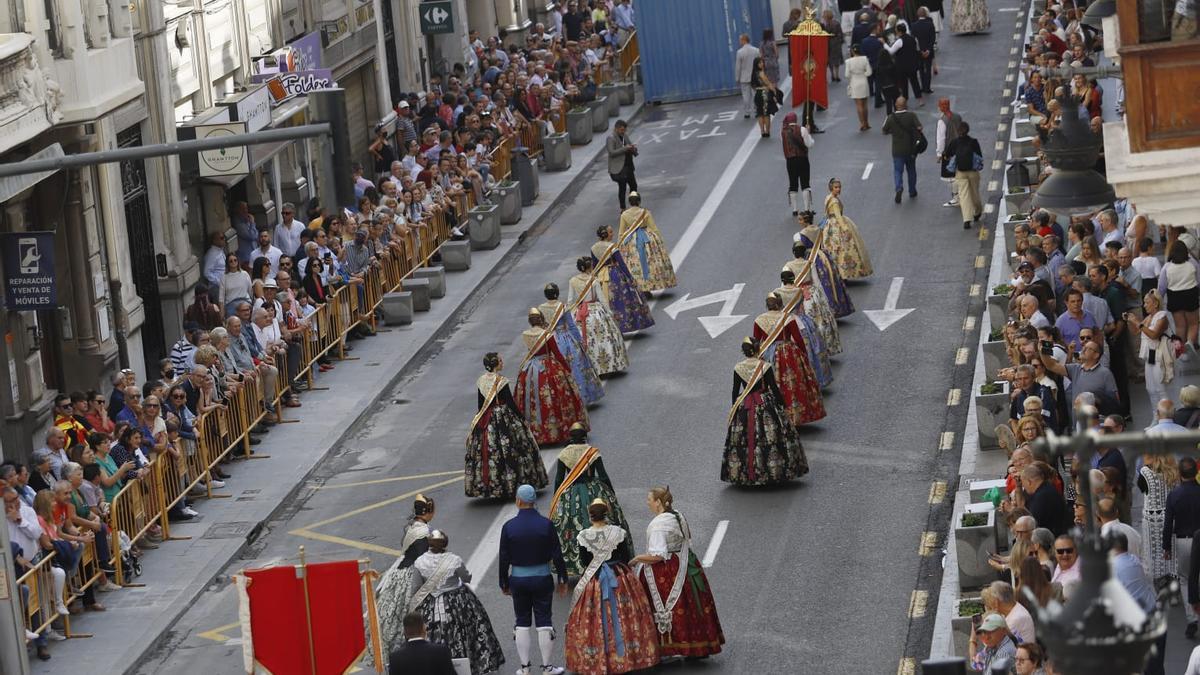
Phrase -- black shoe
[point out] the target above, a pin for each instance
(255, 441)
(795, 214)
(899, 195)
(912, 195)
(746, 116)
(966, 224)
(818, 131)
(978, 216)
(179, 517)
(1191, 630)
(878, 105)
(43, 653)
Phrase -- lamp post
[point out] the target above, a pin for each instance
(1075, 187)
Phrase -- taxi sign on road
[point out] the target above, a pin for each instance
(437, 17)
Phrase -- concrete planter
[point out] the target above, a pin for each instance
(485, 227)
(1022, 146)
(579, 126)
(599, 108)
(1010, 239)
(997, 308)
(977, 488)
(974, 545)
(960, 622)
(995, 357)
(990, 410)
(507, 196)
(626, 93)
(610, 92)
(556, 148)
(1024, 127)
(1018, 202)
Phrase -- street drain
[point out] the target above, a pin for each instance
(400, 401)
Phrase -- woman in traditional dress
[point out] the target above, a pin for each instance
(816, 307)
(618, 285)
(1157, 477)
(684, 610)
(969, 16)
(643, 248)
(783, 347)
(579, 478)
(814, 342)
(546, 394)
(811, 242)
(842, 241)
(396, 585)
(761, 446)
(570, 342)
(601, 334)
(453, 615)
(501, 451)
(611, 626)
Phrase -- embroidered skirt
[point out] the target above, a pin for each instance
(695, 628)
(549, 400)
(602, 338)
(612, 631)
(761, 447)
(501, 455)
(570, 517)
(458, 620)
(649, 261)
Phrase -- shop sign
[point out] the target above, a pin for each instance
(255, 109)
(286, 86)
(28, 270)
(230, 161)
(437, 17)
(305, 53)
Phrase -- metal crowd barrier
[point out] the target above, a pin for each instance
(39, 609)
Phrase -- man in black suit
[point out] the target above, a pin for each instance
(419, 655)
(926, 34)
(906, 54)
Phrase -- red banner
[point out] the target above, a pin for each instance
(809, 57)
(284, 640)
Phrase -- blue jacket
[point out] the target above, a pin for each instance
(529, 539)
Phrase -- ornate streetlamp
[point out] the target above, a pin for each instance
(1074, 187)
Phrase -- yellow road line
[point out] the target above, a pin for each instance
(917, 604)
(377, 505)
(928, 543)
(960, 357)
(218, 634)
(379, 481)
(908, 666)
(954, 397)
(975, 290)
(331, 539)
(969, 323)
(937, 492)
(947, 440)
(980, 261)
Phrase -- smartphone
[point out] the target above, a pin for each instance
(1047, 347)
(977, 618)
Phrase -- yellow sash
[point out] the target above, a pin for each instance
(754, 378)
(537, 345)
(796, 299)
(608, 253)
(487, 402)
(585, 460)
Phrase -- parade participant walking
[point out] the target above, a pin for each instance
(969, 16)
(858, 71)
(579, 477)
(501, 450)
(643, 247)
(396, 585)
(621, 151)
(546, 395)
(818, 358)
(618, 285)
(684, 610)
(452, 613)
(784, 348)
(816, 308)
(905, 129)
(761, 446)
(743, 72)
(528, 547)
(570, 342)
(796, 142)
(766, 97)
(805, 247)
(611, 627)
(842, 240)
(601, 334)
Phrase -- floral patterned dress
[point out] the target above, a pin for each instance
(794, 372)
(601, 334)
(832, 286)
(684, 610)
(501, 451)
(969, 16)
(843, 242)
(453, 614)
(814, 342)
(1153, 514)
(644, 251)
(761, 446)
(611, 627)
(570, 342)
(394, 590)
(618, 286)
(546, 394)
(579, 478)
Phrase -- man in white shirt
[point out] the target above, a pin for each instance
(1108, 225)
(1020, 622)
(214, 260)
(1106, 511)
(287, 232)
(1067, 572)
(266, 250)
(1028, 306)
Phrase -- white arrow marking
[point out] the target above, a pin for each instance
(715, 545)
(714, 325)
(882, 318)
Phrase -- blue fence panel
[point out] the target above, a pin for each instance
(687, 46)
(760, 19)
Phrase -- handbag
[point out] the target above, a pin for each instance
(920, 143)
(976, 161)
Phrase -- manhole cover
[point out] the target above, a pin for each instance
(233, 530)
(251, 492)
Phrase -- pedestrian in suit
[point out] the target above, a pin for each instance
(621, 152)
(905, 51)
(743, 72)
(924, 30)
(417, 654)
(871, 46)
(904, 127)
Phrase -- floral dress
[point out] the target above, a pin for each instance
(601, 334)
(832, 286)
(618, 285)
(761, 446)
(843, 242)
(1153, 514)
(453, 614)
(684, 610)
(969, 16)
(814, 341)
(789, 356)
(546, 394)
(644, 251)
(501, 451)
(579, 478)
(570, 342)
(394, 590)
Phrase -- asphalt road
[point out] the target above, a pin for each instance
(815, 576)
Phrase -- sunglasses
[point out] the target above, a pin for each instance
(98, 400)
(178, 395)
(1064, 551)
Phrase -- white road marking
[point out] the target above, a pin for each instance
(488, 548)
(867, 170)
(883, 318)
(993, 185)
(714, 325)
(1009, 9)
(715, 544)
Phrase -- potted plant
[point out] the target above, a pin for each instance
(995, 355)
(579, 125)
(507, 195)
(599, 108)
(974, 544)
(1016, 199)
(965, 609)
(997, 306)
(991, 408)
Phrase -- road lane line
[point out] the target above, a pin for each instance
(917, 604)
(975, 290)
(867, 170)
(947, 440)
(954, 397)
(969, 324)
(960, 357)
(713, 546)
(937, 492)
(929, 543)
(908, 666)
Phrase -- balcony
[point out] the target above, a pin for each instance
(28, 101)
(1153, 156)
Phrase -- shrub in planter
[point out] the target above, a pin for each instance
(1002, 289)
(991, 408)
(960, 623)
(996, 335)
(991, 388)
(975, 542)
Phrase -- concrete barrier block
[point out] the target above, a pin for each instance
(507, 197)
(556, 148)
(612, 93)
(456, 256)
(579, 125)
(626, 92)
(436, 276)
(397, 308)
(485, 226)
(419, 288)
(599, 109)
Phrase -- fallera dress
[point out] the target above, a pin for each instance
(546, 394)
(501, 451)
(818, 355)
(789, 358)
(611, 627)
(453, 615)
(843, 242)
(618, 285)
(570, 342)
(827, 275)
(816, 306)
(969, 16)
(580, 478)
(684, 610)
(645, 251)
(761, 446)
(1153, 515)
(601, 334)
(395, 588)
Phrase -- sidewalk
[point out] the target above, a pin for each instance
(175, 574)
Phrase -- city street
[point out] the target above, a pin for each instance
(821, 571)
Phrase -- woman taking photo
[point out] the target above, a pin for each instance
(1178, 281)
(858, 71)
(761, 446)
(1155, 349)
(501, 451)
(766, 97)
(684, 610)
(396, 585)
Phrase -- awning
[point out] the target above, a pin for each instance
(11, 186)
